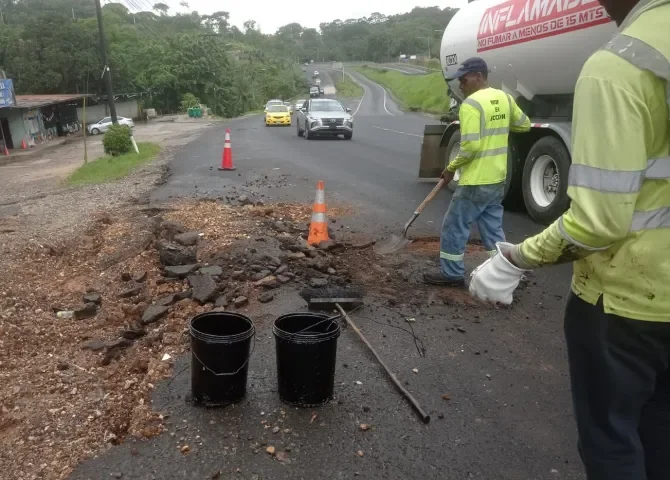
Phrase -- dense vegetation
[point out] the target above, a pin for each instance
(51, 46)
(379, 38)
(163, 56)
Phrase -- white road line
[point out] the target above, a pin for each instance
(396, 131)
(365, 91)
(383, 90)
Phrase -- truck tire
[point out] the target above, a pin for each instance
(545, 180)
(513, 198)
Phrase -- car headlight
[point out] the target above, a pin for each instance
(349, 121)
(316, 121)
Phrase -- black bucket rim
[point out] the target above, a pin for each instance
(311, 338)
(222, 339)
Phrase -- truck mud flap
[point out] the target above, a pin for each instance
(432, 161)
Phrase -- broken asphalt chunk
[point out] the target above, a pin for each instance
(213, 270)
(131, 292)
(172, 254)
(204, 288)
(187, 239)
(93, 297)
(241, 302)
(153, 314)
(266, 297)
(180, 271)
(89, 310)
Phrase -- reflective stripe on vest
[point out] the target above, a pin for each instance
(617, 181)
(651, 219)
(568, 238)
(643, 56)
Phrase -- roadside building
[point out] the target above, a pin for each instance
(35, 119)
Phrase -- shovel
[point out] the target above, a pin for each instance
(395, 242)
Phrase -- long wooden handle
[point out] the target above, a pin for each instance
(430, 197)
(424, 416)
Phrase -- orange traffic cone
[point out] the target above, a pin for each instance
(6, 152)
(227, 160)
(318, 229)
(24, 145)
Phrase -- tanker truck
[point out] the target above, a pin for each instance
(534, 50)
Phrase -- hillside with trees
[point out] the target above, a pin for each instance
(51, 46)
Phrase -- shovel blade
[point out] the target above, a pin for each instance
(391, 244)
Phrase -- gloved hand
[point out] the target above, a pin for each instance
(496, 278)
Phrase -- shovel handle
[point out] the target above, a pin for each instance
(430, 197)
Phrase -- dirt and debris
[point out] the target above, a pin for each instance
(74, 386)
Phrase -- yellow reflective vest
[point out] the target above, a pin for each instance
(618, 226)
(486, 118)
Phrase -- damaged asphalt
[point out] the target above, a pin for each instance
(493, 380)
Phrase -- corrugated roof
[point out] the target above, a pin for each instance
(34, 101)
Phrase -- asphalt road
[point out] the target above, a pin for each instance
(509, 417)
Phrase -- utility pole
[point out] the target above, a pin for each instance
(427, 38)
(107, 73)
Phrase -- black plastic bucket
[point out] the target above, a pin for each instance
(220, 352)
(306, 345)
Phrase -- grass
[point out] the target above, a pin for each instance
(107, 168)
(348, 88)
(426, 93)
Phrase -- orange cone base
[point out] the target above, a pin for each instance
(318, 232)
(221, 169)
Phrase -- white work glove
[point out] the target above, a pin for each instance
(496, 278)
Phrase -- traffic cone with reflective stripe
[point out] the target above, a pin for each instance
(227, 160)
(318, 229)
(24, 145)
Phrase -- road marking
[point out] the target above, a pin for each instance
(383, 90)
(396, 131)
(365, 90)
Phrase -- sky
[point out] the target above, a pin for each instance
(272, 14)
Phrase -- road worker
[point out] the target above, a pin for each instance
(486, 116)
(617, 233)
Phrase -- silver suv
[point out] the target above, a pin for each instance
(324, 117)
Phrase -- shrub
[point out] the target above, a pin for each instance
(188, 100)
(117, 140)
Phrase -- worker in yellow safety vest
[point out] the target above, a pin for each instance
(617, 233)
(486, 116)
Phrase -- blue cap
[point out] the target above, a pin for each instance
(471, 65)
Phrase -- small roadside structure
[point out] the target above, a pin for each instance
(35, 119)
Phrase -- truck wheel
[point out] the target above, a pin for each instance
(513, 195)
(545, 180)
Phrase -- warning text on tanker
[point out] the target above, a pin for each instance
(518, 21)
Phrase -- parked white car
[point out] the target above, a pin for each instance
(103, 125)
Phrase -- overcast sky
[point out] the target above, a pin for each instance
(272, 14)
